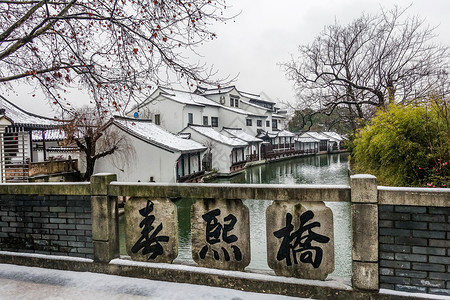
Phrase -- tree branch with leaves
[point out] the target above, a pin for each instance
(113, 49)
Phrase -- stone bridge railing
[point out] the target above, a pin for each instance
(400, 236)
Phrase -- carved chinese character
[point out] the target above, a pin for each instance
(300, 239)
(298, 244)
(151, 229)
(149, 241)
(220, 234)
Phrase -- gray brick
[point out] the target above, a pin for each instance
(387, 286)
(86, 250)
(410, 225)
(38, 208)
(395, 248)
(9, 219)
(396, 280)
(439, 243)
(76, 232)
(428, 218)
(67, 238)
(439, 210)
(385, 208)
(66, 215)
(32, 214)
(394, 216)
(394, 232)
(84, 239)
(440, 291)
(66, 226)
(410, 289)
(40, 220)
(76, 221)
(50, 226)
(387, 255)
(58, 209)
(441, 276)
(396, 264)
(59, 243)
(386, 271)
(76, 244)
(440, 226)
(429, 234)
(384, 239)
(410, 209)
(428, 267)
(439, 260)
(75, 209)
(412, 274)
(16, 224)
(404, 240)
(57, 221)
(411, 257)
(9, 229)
(386, 223)
(84, 227)
(59, 231)
(429, 250)
(428, 283)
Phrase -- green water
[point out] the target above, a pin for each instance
(322, 169)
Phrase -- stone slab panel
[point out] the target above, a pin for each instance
(364, 188)
(365, 232)
(220, 234)
(151, 229)
(365, 276)
(300, 239)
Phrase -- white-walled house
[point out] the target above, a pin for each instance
(322, 140)
(228, 154)
(253, 151)
(156, 155)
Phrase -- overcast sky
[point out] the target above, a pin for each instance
(268, 32)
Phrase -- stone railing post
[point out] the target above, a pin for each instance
(105, 220)
(364, 209)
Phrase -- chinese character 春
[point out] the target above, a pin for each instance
(149, 241)
(215, 231)
(299, 242)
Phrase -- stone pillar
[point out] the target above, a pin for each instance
(364, 209)
(105, 220)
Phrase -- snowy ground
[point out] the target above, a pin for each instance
(19, 282)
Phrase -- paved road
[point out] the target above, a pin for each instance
(18, 282)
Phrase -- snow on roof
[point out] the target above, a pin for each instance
(50, 135)
(315, 135)
(187, 97)
(218, 90)
(240, 134)
(23, 118)
(285, 133)
(334, 135)
(306, 140)
(218, 137)
(155, 135)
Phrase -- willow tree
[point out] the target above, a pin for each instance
(113, 49)
(375, 60)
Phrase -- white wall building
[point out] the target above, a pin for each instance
(156, 155)
(228, 154)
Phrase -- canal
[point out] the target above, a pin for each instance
(319, 169)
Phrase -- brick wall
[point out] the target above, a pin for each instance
(414, 248)
(58, 225)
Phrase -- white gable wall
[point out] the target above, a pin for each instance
(147, 161)
(221, 153)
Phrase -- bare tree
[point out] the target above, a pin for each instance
(89, 130)
(113, 49)
(373, 61)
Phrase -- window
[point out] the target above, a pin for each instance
(236, 102)
(231, 102)
(205, 121)
(259, 123)
(274, 124)
(158, 119)
(214, 122)
(249, 122)
(267, 123)
(190, 118)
